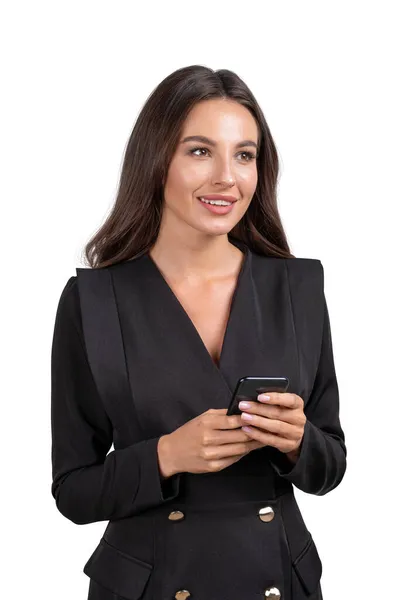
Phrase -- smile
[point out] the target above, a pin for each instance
(217, 207)
(216, 202)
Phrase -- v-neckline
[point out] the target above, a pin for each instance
(218, 368)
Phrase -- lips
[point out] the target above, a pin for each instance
(216, 209)
(219, 197)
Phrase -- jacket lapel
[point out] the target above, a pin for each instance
(172, 376)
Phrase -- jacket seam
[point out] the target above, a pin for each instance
(293, 319)
(126, 555)
(125, 358)
(79, 327)
(303, 551)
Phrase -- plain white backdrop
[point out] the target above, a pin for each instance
(331, 78)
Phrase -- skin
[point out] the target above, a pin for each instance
(277, 420)
(193, 246)
(192, 242)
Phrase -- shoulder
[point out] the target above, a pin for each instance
(311, 264)
(305, 278)
(296, 267)
(69, 291)
(68, 308)
(305, 268)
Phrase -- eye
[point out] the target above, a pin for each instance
(250, 155)
(195, 150)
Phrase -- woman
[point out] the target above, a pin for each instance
(185, 296)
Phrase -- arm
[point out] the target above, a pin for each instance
(89, 484)
(321, 458)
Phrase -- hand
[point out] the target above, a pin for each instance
(210, 442)
(279, 421)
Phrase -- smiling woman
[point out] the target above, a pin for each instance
(201, 133)
(218, 178)
(192, 286)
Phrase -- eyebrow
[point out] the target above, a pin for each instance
(206, 140)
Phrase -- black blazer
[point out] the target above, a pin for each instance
(128, 366)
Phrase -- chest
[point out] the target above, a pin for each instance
(168, 337)
(208, 307)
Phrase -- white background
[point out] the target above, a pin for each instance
(331, 79)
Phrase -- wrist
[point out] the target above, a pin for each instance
(164, 453)
(293, 455)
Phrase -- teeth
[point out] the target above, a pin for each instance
(216, 202)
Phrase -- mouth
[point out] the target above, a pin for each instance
(217, 206)
(218, 200)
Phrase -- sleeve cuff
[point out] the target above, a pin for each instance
(283, 465)
(153, 488)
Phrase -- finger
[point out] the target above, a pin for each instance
(220, 420)
(255, 444)
(286, 399)
(274, 412)
(269, 425)
(270, 439)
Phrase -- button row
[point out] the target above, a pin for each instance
(271, 592)
(266, 515)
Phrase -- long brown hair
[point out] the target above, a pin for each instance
(134, 221)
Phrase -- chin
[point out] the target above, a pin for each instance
(220, 229)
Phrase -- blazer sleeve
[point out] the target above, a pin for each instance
(89, 483)
(321, 463)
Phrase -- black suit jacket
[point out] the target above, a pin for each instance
(132, 369)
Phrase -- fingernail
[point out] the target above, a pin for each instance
(244, 404)
(264, 397)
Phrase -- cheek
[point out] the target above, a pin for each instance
(249, 180)
(184, 180)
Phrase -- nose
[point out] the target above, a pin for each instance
(223, 174)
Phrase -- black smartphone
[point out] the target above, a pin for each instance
(248, 388)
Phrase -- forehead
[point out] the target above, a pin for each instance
(218, 118)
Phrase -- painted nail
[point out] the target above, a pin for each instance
(264, 397)
(247, 417)
(244, 405)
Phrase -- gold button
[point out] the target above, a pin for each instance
(182, 595)
(176, 515)
(272, 592)
(266, 514)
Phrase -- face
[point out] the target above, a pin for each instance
(224, 163)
